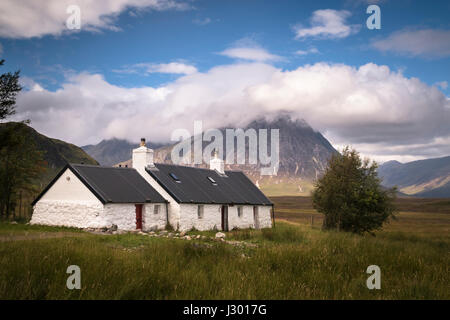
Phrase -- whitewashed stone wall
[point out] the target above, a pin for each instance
(265, 217)
(71, 214)
(121, 214)
(189, 217)
(153, 221)
(247, 219)
(124, 216)
(212, 217)
(243, 222)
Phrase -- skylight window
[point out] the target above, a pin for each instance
(212, 181)
(174, 177)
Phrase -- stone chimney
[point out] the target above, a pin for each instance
(217, 164)
(142, 156)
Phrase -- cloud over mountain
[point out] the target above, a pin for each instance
(370, 106)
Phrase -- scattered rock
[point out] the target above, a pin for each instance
(198, 236)
(182, 233)
(220, 235)
(13, 222)
(235, 243)
(113, 227)
(200, 245)
(187, 237)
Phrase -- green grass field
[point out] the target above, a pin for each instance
(294, 260)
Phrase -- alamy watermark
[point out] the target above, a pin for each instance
(74, 280)
(374, 20)
(374, 281)
(256, 142)
(73, 22)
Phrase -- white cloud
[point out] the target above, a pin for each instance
(173, 67)
(424, 42)
(307, 51)
(327, 23)
(202, 22)
(442, 84)
(29, 84)
(148, 68)
(370, 106)
(31, 18)
(251, 53)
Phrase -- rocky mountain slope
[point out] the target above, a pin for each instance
(303, 156)
(57, 153)
(112, 151)
(428, 178)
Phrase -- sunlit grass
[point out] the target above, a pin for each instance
(289, 262)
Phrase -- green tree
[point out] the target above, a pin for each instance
(21, 164)
(350, 195)
(9, 88)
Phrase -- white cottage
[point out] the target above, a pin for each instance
(151, 196)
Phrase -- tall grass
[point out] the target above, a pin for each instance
(290, 262)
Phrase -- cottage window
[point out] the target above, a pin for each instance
(156, 209)
(240, 211)
(200, 210)
(174, 177)
(214, 183)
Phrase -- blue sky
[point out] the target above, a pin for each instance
(157, 45)
(179, 35)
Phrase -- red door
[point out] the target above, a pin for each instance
(139, 216)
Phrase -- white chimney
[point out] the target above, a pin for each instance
(142, 156)
(217, 164)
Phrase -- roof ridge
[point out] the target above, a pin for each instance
(99, 166)
(198, 168)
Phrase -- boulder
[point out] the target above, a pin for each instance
(220, 235)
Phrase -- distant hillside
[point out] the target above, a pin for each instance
(440, 192)
(112, 151)
(428, 178)
(56, 152)
(304, 154)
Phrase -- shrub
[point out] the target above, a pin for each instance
(350, 195)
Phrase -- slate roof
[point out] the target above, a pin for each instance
(112, 184)
(194, 186)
